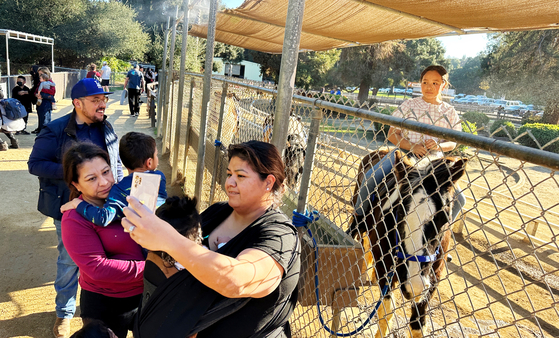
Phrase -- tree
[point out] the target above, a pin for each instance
(373, 65)
(423, 53)
(467, 77)
(84, 31)
(313, 68)
(525, 65)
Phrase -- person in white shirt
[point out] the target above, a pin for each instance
(105, 76)
(428, 109)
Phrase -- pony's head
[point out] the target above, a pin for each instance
(421, 205)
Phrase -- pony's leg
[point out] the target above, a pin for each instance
(417, 319)
(385, 314)
(368, 262)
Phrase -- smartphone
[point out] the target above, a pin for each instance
(145, 187)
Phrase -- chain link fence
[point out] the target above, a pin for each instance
(502, 278)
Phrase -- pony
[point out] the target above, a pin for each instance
(405, 233)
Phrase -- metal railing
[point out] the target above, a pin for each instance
(503, 280)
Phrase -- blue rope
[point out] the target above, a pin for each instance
(302, 220)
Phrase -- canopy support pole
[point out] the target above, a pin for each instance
(289, 57)
(8, 89)
(214, 4)
(176, 141)
(161, 80)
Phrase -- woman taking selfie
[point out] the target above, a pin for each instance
(245, 288)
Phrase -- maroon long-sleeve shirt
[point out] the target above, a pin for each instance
(110, 262)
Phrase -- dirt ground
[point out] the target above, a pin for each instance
(28, 239)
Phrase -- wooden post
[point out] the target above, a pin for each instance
(343, 298)
(531, 229)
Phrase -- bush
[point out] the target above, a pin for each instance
(479, 119)
(543, 133)
(382, 129)
(470, 128)
(508, 125)
(531, 119)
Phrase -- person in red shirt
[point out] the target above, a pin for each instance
(111, 264)
(93, 73)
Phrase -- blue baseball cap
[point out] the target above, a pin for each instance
(87, 87)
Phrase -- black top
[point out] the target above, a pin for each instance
(25, 99)
(182, 306)
(277, 238)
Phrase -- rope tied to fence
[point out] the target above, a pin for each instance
(302, 220)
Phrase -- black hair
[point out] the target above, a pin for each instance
(21, 77)
(94, 329)
(439, 69)
(181, 213)
(74, 157)
(136, 149)
(264, 158)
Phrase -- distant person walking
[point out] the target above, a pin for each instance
(149, 78)
(134, 83)
(23, 94)
(500, 112)
(93, 73)
(105, 76)
(87, 122)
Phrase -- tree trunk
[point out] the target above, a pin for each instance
(363, 91)
(551, 113)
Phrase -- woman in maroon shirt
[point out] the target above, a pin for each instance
(111, 264)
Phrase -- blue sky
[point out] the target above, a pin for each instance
(456, 46)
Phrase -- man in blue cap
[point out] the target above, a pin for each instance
(87, 122)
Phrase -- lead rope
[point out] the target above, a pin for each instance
(302, 220)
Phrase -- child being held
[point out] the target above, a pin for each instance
(46, 84)
(138, 153)
(181, 213)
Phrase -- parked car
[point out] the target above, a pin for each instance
(470, 97)
(458, 96)
(514, 109)
(498, 103)
(383, 90)
(487, 102)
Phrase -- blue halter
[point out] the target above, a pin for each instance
(415, 258)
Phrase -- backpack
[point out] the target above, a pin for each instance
(14, 109)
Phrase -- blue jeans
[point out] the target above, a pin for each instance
(44, 118)
(66, 283)
(376, 175)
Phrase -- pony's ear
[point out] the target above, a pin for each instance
(457, 168)
(402, 165)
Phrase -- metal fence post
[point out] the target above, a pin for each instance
(161, 79)
(205, 99)
(169, 81)
(189, 122)
(218, 137)
(177, 137)
(289, 56)
(309, 160)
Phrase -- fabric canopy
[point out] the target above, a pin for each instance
(327, 24)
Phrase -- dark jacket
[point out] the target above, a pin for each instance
(45, 161)
(25, 99)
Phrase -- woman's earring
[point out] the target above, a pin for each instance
(267, 188)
